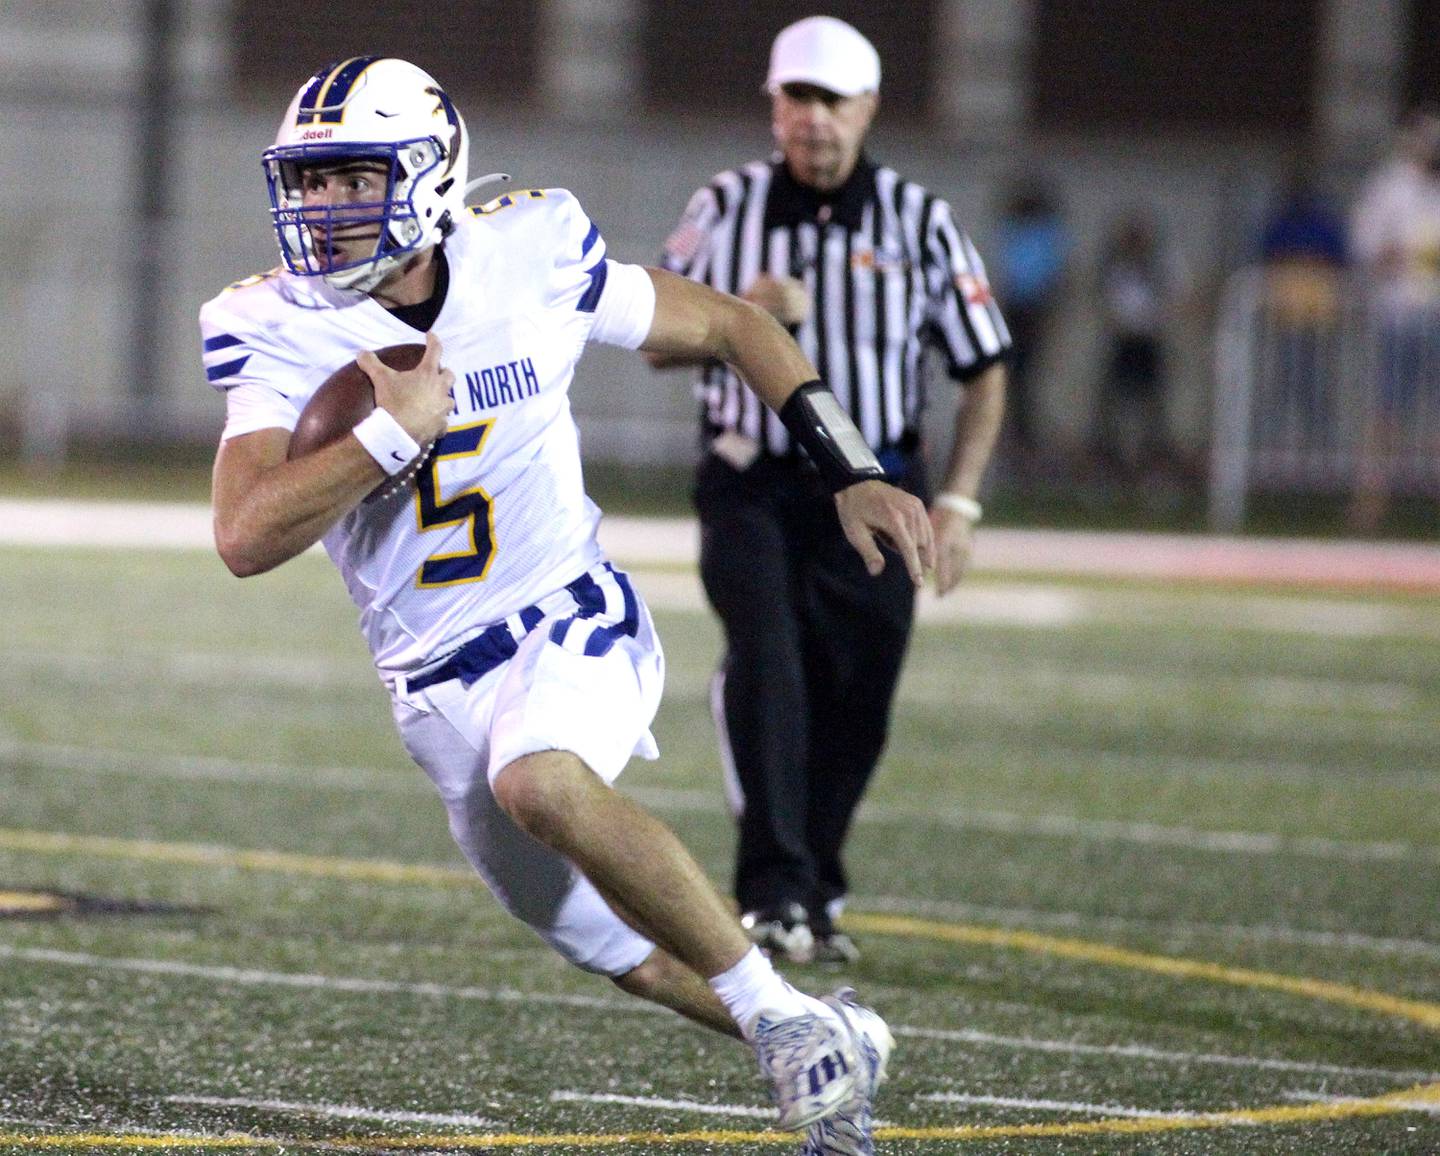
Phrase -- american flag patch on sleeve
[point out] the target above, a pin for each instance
(682, 245)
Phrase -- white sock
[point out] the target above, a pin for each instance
(753, 986)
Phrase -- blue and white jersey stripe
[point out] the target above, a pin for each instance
(607, 611)
(220, 356)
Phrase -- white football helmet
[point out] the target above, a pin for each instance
(373, 108)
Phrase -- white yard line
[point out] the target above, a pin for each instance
(400, 780)
(988, 601)
(1148, 1054)
(1430, 1107)
(252, 977)
(1031, 917)
(668, 541)
(690, 801)
(1057, 1106)
(223, 670)
(1100, 830)
(658, 1102)
(999, 693)
(352, 985)
(337, 1111)
(29, 1122)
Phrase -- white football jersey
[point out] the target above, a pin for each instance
(499, 518)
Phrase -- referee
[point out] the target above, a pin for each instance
(866, 269)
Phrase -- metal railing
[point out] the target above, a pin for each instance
(1319, 390)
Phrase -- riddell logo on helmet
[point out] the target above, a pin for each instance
(317, 134)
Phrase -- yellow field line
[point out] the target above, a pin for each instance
(1423, 1097)
(207, 855)
(87, 1140)
(1427, 1014)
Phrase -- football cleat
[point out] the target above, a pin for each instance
(781, 932)
(831, 946)
(850, 1130)
(810, 1062)
(835, 947)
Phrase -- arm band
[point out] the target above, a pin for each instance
(967, 508)
(386, 441)
(825, 431)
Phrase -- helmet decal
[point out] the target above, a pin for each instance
(447, 106)
(329, 90)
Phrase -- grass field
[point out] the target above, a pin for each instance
(1158, 874)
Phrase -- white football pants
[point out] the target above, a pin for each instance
(552, 695)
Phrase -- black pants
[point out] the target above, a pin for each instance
(813, 652)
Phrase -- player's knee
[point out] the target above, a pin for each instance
(543, 792)
(650, 979)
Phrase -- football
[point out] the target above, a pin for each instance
(343, 399)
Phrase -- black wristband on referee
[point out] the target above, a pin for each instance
(815, 420)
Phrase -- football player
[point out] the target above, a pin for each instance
(523, 666)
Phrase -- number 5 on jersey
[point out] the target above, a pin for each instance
(471, 505)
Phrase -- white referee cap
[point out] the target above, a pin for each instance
(825, 52)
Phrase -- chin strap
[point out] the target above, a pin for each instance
(364, 278)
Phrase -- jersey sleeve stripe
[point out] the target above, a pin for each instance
(216, 372)
(591, 297)
(221, 341)
(590, 238)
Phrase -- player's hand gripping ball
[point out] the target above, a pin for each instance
(342, 401)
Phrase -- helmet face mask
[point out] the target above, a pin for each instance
(386, 114)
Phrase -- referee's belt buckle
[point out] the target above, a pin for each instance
(736, 449)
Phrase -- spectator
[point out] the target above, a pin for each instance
(1396, 230)
(1141, 285)
(1303, 251)
(1032, 248)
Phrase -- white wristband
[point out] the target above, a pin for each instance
(967, 508)
(386, 441)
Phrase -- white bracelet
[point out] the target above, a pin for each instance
(386, 441)
(967, 508)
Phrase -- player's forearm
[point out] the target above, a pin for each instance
(977, 427)
(765, 355)
(695, 323)
(674, 361)
(268, 514)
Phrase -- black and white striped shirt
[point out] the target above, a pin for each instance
(888, 273)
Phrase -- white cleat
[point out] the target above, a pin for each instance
(849, 1131)
(811, 1063)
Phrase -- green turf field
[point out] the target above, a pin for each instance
(1163, 877)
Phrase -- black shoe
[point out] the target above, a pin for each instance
(781, 932)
